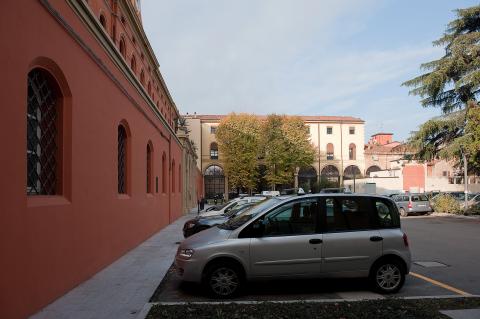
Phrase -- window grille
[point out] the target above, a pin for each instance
(41, 135)
(122, 160)
(213, 151)
(149, 172)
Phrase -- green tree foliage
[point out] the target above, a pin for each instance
(282, 143)
(285, 145)
(451, 83)
(238, 142)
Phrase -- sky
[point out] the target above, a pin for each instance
(299, 57)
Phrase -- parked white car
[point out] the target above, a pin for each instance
(225, 208)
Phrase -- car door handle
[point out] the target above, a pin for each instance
(376, 238)
(315, 241)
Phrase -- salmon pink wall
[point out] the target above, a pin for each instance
(413, 176)
(50, 244)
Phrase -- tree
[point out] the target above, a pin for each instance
(451, 83)
(238, 141)
(285, 145)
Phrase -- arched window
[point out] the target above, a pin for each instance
(103, 21)
(133, 64)
(214, 151)
(351, 172)
(372, 169)
(179, 178)
(43, 124)
(330, 173)
(352, 152)
(123, 49)
(307, 177)
(173, 176)
(149, 169)
(122, 159)
(142, 77)
(214, 181)
(164, 173)
(330, 155)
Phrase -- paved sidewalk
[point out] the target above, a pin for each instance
(122, 289)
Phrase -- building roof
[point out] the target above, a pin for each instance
(382, 134)
(306, 118)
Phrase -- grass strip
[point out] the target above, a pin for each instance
(391, 308)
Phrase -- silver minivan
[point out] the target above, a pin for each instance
(321, 235)
(412, 204)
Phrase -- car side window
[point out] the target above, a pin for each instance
(347, 214)
(385, 213)
(295, 218)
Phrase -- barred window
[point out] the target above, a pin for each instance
(214, 151)
(173, 176)
(122, 160)
(164, 173)
(42, 139)
(179, 178)
(149, 169)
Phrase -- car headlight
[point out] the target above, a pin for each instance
(185, 253)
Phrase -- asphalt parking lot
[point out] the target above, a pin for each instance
(446, 261)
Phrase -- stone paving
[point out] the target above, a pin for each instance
(122, 289)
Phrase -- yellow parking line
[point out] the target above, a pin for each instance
(440, 284)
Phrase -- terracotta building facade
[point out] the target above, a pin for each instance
(91, 164)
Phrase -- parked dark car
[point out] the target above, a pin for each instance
(199, 223)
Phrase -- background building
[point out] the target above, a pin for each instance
(388, 171)
(91, 164)
(339, 141)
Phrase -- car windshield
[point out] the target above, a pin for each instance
(236, 210)
(248, 214)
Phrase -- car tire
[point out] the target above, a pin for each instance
(403, 212)
(387, 276)
(224, 279)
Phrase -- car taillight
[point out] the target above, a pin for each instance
(410, 205)
(405, 240)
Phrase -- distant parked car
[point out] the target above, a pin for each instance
(232, 204)
(412, 204)
(321, 235)
(199, 223)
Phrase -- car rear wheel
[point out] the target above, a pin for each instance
(224, 280)
(403, 213)
(387, 276)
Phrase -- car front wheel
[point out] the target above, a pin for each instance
(224, 280)
(387, 277)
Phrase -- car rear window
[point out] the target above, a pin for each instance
(386, 214)
(419, 198)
